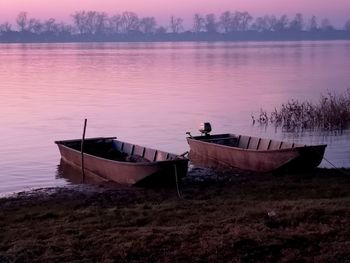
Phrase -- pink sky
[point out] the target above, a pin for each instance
(338, 11)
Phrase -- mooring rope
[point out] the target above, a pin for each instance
(338, 169)
(82, 152)
(177, 183)
(332, 164)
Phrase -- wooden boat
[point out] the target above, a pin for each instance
(252, 153)
(123, 162)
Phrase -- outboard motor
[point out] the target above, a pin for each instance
(205, 128)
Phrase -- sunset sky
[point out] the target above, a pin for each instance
(338, 11)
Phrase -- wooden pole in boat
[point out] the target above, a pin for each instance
(82, 152)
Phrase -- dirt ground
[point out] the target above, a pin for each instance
(220, 217)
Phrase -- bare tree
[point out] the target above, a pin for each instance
(22, 21)
(176, 24)
(225, 21)
(34, 26)
(281, 24)
(297, 24)
(50, 26)
(79, 19)
(198, 23)
(211, 26)
(115, 24)
(235, 21)
(5, 27)
(63, 29)
(90, 22)
(148, 25)
(245, 19)
(313, 26)
(258, 24)
(100, 23)
(265, 24)
(130, 22)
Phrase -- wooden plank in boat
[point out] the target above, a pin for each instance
(253, 143)
(128, 148)
(150, 154)
(139, 150)
(118, 145)
(286, 145)
(275, 145)
(264, 144)
(243, 142)
(161, 156)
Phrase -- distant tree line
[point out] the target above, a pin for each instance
(128, 26)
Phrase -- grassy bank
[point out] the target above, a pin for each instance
(227, 217)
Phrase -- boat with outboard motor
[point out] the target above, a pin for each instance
(251, 153)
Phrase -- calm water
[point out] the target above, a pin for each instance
(151, 94)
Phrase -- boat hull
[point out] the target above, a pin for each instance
(129, 173)
(205, 153)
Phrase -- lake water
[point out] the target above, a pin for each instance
(151, 94)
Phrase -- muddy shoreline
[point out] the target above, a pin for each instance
(220, 217)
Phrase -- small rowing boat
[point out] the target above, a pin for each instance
(251, 153)
(123, 162)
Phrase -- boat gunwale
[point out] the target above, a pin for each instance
(87, 139)
(256, 150)
(150, 163)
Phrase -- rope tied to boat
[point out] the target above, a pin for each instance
(177, 182)
(332, 164)
(82, 152)
(337, 168)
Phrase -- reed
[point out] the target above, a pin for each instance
(331, 112)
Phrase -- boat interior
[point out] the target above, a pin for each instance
(247, 142)
(149, 154)
(112, 149)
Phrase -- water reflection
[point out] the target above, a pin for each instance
(73, 175)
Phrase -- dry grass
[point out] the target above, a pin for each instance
(225, 218)
(332, 112)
